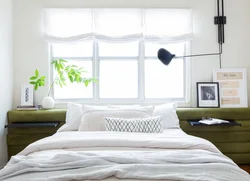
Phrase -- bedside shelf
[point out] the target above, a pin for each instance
(32, 124)
(197, 123)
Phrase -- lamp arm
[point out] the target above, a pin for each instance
(199, 55)
(206, 54)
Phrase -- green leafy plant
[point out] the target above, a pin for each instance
(64, 72)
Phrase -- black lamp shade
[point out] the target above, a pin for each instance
(165, 56)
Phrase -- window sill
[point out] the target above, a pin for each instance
(63, 104)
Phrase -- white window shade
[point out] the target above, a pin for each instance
(167, 24)
(67, 24)
(118, 23)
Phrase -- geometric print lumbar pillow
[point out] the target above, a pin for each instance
(140, 125)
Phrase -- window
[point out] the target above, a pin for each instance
(123, 54)
(117, 67)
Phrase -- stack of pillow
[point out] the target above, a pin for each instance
(129, 118)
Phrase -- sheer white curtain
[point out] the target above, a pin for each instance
(117, 24)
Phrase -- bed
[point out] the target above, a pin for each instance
(95, 154)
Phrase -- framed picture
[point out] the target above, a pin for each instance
(26, 95)
(208, 94)
(233, 87)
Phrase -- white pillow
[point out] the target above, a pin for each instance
(73, 116)
(124, 106)
(140, 125)
(168, 113)
(92, 118)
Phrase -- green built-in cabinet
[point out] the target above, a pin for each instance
(233, 141)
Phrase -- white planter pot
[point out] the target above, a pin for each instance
(48, 103)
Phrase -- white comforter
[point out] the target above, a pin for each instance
(172, 155)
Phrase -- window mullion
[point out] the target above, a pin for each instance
(52, 76)
(187, 70)
(96, 70)
(141, 74)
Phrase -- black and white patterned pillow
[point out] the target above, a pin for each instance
(142, 125)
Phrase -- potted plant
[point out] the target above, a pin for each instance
(65, 72)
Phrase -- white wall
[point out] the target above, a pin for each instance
(31, 52)
(6, 71)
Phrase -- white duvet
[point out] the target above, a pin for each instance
(172, 155)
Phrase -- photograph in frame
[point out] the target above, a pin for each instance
(27, 95)
(208, 94)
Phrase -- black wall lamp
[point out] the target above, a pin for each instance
(220, 20)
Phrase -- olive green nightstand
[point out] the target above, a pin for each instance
(25, 127)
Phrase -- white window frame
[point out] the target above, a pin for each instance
(141, 79)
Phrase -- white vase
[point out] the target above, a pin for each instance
(48, 103)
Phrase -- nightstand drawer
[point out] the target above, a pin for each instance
(222, 136)
(34, 130)
(239, 158)
(25, 139)
(234, 147)
(13, 150)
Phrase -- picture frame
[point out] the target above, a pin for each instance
(27, 95)
(233, 87)
(208, 95)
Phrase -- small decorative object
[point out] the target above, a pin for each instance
(48, 102)
(65, 72)
(233, 87)
(26, 95)
(208, 94)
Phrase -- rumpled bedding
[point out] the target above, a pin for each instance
(172, 155)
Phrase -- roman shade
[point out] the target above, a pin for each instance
(117, 24)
